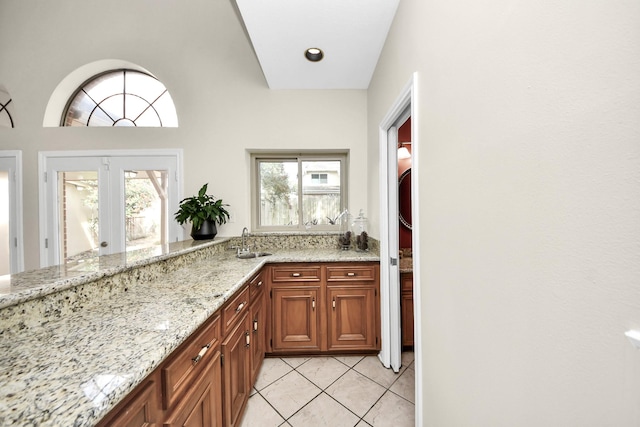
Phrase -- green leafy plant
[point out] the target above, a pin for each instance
(201, 208)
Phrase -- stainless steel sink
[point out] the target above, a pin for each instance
(246, 255)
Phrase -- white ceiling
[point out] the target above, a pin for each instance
(351, 34)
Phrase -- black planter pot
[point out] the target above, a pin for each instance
(206, 232)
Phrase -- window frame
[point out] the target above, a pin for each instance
(300, 156)
(124, 92)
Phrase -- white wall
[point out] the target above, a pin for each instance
(529, 206)
(198, 49)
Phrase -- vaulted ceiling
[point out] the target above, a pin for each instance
(351, 34)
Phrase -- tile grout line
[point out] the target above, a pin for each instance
(323, 390)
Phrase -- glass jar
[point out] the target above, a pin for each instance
(344, 241)
(359, 228)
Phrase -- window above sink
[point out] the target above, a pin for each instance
(298, 191)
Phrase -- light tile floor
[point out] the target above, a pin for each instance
(340, 391)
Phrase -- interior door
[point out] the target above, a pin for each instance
(103, 204)
(393, 245)
(11, 260)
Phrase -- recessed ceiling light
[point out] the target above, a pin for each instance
(314, 54)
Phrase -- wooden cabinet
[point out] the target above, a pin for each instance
(236, 357)
(236, 371)
(353, 312)
(286, 308)
(324, 308)
(184, 391)
(139, 409)
(185, 364)
(202, 405)
(295, 318)
(258, 315)
(406, 308)
(352, 321)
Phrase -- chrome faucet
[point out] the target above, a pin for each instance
(245, 233)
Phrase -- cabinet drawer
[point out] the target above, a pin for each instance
(296, 273)
(406, 282)
(234, 309)
(184, 366)
(256, 285)
(358, 273)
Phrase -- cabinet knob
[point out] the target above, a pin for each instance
(247, 338)
(295, 274)
(351, 274)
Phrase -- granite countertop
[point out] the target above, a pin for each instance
(17, 288)
(71, 370)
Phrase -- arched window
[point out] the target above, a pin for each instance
(6, 121)
(121, 98)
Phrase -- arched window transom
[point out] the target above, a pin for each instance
(121, 98)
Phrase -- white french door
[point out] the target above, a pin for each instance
(11, 254)
(99, 203)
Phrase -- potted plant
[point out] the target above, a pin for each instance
(203, 211)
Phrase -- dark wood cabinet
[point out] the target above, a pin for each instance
(185, 365)
(330, 307)
(202, 405)
(295, 318)
(406, 308)
(236, 368)
(352, 321)
(292, 308)
(258, 315)
(139, 409)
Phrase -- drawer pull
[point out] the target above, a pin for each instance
(200, 355)
(247, 338)
(259, 284)
(351, 274)
(240, 306)
(295, 274)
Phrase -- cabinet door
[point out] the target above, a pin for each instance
(138, 410)
(352, 317)
(406, 303)
(236, 372)
(406, 307)
(295, 318)
(258, 315)
(202, 405)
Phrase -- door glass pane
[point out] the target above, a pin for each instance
(5, 256)
(78, 231)
(278, 183)
(320, 191)
(145, 208)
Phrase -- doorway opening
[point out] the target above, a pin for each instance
(405, 107)
(11, 253)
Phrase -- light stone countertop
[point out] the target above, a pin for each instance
(71, 370)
